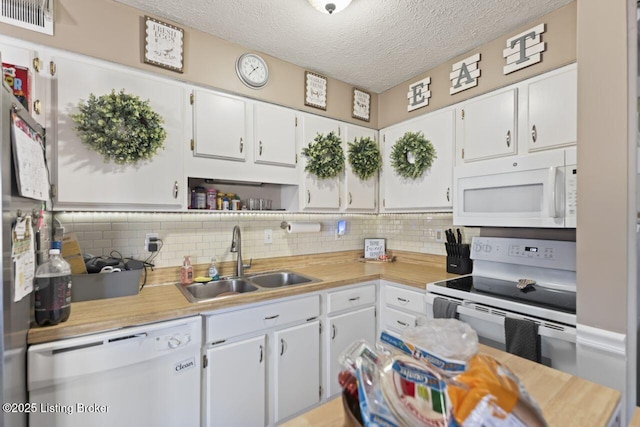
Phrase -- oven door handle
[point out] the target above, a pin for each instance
(498, 320)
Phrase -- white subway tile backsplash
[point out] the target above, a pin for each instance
(202, 235)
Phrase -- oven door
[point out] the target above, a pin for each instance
(523, 191)
(558, 341)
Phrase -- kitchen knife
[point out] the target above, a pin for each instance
(459, 236)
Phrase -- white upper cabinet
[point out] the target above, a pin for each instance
(34, 87)
(219, 126)
(82, 177)
(322, 194)
(489, 125)
(275, 135)
(358, 195)
(433, 190)
(553, 109)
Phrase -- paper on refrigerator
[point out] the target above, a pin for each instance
(23, 254)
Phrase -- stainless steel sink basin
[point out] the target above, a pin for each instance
(198, 292)
(280, 278)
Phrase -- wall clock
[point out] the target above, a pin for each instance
(252, 70)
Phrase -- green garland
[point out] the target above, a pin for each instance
(421, 148)
(325, 157)
(364, 157)
(120, 126)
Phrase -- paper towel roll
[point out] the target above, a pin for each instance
(303, 227)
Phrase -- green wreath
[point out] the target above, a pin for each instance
(412, 144)
(325, 157)
(120, 126)
(364, 157)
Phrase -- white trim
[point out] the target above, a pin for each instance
(601, 339)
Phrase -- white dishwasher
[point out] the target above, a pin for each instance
(144, 376)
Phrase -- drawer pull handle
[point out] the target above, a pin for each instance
(175, 190)
(402, 300)
(354, 299)
(333, 332)
(261, 148)
(241, 145)
(281, 346)
(261, 354)
(271, 317)
(534, 133)
(402, 323)
(508, 138)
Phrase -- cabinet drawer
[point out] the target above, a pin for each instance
(244, 321)
(405, 299)
(351, 298)
(398, 320)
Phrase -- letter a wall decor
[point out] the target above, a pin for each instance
(464, 74)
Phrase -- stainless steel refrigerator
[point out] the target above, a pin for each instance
(16, 316)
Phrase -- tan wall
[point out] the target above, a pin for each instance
(560, 37)
(108, 30)
(606, 158)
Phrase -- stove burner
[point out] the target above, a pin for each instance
(539, 296)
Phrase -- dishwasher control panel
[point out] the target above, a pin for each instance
(173, 341)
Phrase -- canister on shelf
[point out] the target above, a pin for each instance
(211, 199)
(201, 198)
(219, 198)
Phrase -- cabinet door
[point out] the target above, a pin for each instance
(275, 130)
(219, 126)
(84, 180)
(359, 195)
(433, 189)
(553, 110)
(343, 331)
(319, 193)
(297, 368)
(235, 382)
(28, 84)
(489, 126)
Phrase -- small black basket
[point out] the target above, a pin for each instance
(458, 258)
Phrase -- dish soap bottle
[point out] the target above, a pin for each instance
(53, 289)
(213, 270)
(186, 274)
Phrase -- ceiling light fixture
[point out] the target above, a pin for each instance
(330, 6)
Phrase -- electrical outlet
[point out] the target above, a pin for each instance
(439, 235)
(151, 238)
(268, 236)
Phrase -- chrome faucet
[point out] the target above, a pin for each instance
(236, 246)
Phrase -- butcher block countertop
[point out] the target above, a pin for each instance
(565, 400)
(161, 300)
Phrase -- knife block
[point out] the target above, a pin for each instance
(458, 260)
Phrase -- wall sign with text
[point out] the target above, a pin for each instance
(361, 104)
(163, 44)
(373, 248)
(315, 90)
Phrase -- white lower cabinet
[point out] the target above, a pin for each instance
(235, 376)
(344, 330)
(297, 369)
(400, 306)
(351, 316)
(262, 363)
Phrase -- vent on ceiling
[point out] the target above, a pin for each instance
(35, 15)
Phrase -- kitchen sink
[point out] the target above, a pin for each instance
(198, 292)
(280, 278)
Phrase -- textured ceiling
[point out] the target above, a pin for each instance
(373, 44)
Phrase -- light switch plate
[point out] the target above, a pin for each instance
(439, 235)
(268, 236)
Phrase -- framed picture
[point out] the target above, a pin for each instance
(315, 90)
(361, 104)
(163, 44)
(373, 248)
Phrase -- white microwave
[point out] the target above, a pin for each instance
(536, 190)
